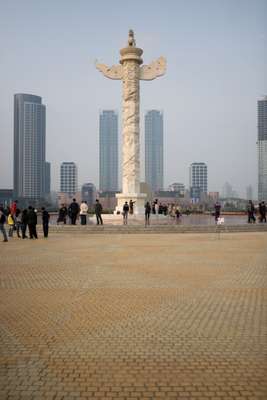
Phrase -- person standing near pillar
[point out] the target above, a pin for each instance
(131, 207)
(125, 212)
(147, 213)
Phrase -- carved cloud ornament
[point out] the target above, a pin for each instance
(114, 72)
(153, 70)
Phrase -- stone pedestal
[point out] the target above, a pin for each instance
(139, 200)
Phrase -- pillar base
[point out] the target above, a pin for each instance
(139, 200)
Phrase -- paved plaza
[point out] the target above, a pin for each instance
(174, 316)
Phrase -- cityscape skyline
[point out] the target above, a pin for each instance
(215, 77)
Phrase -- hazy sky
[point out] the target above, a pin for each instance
(216, 71)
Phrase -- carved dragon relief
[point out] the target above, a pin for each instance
(153, 70)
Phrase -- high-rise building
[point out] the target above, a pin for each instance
(89, 193)
(262, 149)
(154, 149)
(47, 187)
(108, 151)
(29, 146)
(68, 178)
(198, 179)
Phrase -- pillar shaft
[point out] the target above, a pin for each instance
(131, 131)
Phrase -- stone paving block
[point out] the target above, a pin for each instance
(134, 317)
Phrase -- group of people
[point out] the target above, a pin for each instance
(74, 210)
(172, 210)
(23, 222)
(252, 211)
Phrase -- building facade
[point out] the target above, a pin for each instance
(178, 188)
(154, 150)
(198, 180)
(47, 187)
(108, 151)
(29, 146)
(89, 193)
(68, 178)
(262, 149)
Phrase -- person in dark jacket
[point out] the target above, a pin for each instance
(24, 223)
(217, 211)
(147, 213)
(131, 207)
(45, 219)
(2, 224)
(262, 211)
(125, 212)
(62, 214)
(74, 209)
(98, 212)
(32, 222)
(251, 211)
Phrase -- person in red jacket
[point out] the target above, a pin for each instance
(13, 208)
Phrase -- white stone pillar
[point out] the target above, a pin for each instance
(130, 72)
(131, 60)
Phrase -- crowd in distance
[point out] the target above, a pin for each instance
(24, 222)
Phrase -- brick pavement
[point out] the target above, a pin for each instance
(134, 317)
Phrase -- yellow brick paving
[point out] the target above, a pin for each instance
(134, 317)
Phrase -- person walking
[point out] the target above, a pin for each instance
(32, 222)
(13, 208)
(177, 214)
(83, 212)
(2, 224)
(156, 207)
(11, 224)
(62, 214)
(98, 212)
(18, 222)
(217, 211)
(125, 212)
(147, 213)
(251, 211)
(262, 211)
(24, 223)
(45, 220)
(74, 211)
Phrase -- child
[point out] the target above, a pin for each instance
(11, 224)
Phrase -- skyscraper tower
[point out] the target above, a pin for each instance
(68, 178)
(262, 149)
(29, 146)
(47, 186)
(154, 149)
(108, 151)
(198, 179)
